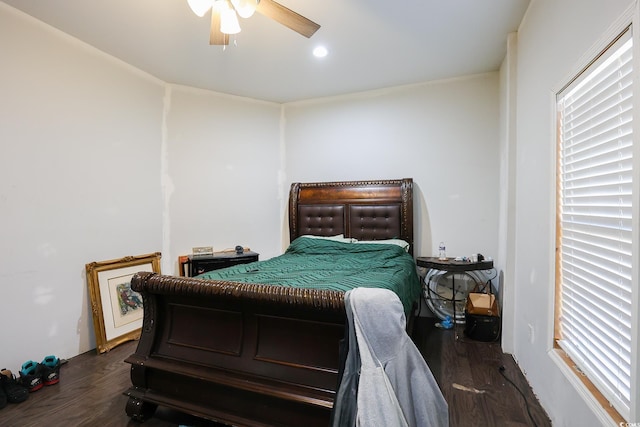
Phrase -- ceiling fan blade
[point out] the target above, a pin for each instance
(217, 37)
(287, 17)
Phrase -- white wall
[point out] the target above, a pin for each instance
(553, 37)
(443, 134)
(506, 218)
(222, 162)
(79, 182)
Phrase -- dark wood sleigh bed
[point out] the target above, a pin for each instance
(259, 355)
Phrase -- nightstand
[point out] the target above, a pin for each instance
(198, 264)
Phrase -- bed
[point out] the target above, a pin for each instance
(264, 353)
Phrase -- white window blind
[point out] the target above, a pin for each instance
(594, 225)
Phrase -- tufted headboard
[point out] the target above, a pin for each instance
(365, 210)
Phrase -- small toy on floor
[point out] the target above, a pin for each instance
(447, 323)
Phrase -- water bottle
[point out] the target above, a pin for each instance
(442, 254)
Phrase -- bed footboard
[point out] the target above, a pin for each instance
(246, 355)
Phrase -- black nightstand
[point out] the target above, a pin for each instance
(198, 264)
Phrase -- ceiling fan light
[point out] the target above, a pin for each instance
(229, 21)
(200, 7)
(245, 8)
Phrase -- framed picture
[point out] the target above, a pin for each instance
(117, 309)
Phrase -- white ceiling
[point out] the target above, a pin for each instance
(372, 44)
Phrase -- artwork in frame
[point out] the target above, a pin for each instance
(117, 309)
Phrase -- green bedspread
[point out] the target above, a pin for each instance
(332, 265)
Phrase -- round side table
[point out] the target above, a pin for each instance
(448, 282)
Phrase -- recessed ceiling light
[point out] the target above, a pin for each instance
(320, 52)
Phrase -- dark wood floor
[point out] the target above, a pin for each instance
(478, 381)
(468, 372)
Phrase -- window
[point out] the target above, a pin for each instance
(594, 234)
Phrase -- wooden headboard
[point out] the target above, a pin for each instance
(365, 210)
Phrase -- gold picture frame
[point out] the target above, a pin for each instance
(117, 309)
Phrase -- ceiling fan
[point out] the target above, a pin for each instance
(224, 16)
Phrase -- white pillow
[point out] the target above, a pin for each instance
(337, 238)
(398, 242)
